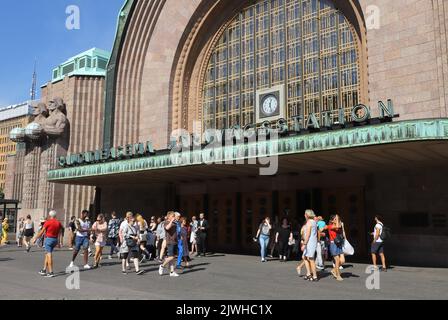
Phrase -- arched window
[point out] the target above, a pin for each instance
(308, 46)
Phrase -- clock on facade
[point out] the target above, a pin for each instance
(270, 105)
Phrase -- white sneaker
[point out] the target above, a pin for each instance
(109, 257)
(173, 274)
(71, 265)
(87, 267)
(320, 268)
(341, 268)
(161, 270)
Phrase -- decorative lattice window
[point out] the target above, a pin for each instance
(306, 45)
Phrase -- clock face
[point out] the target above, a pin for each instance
(270, 105)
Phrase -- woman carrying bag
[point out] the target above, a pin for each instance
(129, 248)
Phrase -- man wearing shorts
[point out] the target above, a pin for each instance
(53, 231)
(378, 244)
(82, 239)
(171, 243)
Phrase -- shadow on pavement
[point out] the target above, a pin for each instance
(193, 270)
(5, 259)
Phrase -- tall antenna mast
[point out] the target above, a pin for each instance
(34, 84)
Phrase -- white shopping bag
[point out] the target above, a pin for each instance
(348, 248)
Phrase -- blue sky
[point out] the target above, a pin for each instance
(36, 29)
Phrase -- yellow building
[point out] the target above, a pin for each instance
(16, 116)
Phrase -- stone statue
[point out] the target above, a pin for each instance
(40, 113)
(57, 120)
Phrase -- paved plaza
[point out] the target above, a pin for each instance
(217, 277)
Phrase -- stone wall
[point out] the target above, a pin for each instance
(405, 198)
(407, 56)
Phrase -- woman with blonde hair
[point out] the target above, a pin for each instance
(310, 245)
(143, 237)
(5, 230)
(129, 243)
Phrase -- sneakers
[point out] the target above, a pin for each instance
(161, 270)
(340, 268)
(50, 275)
(71, 265)
(87, 267)
(320, 268)
(173, 274)
(109, 257)
(43, 272)
(140, 272)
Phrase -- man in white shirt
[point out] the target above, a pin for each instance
(82, 239)
(378, 244)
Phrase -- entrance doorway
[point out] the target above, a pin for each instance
(349, 204)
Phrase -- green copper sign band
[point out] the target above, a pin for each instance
(386, 133)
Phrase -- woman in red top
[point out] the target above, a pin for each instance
(335, 233)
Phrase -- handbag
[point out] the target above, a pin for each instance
(348, 249)
(130, 242)
(339, 240)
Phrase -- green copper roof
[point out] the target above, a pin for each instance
(381, 134)
(92, 62)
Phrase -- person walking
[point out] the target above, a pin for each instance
(153, 224)
(160, 239)
(19, 232)
(184, 241)
(283, 237)
(302, 248)
(180, 247)
(377, 247)
(202, 235)
(28, 232)
(113, 231)
(40, 240)
(53, 236)
(310, 245)
(171, 241)
(129, 238)
(193, 235)
(72, 232)
(320, 265)
(336, 242)
(263, 235)
(99, 238)
(5, 230)
(143, 227)
(82, 239)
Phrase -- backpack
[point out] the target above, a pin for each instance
(386, 233)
